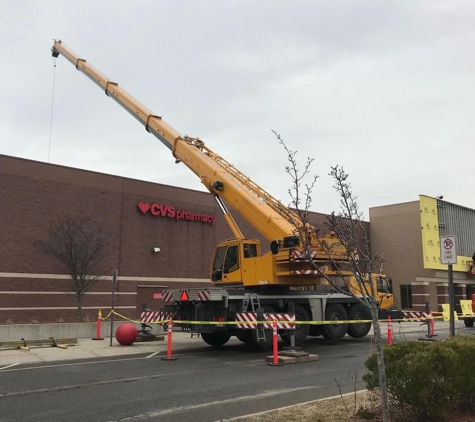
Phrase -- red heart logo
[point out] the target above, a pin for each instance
(144, 206)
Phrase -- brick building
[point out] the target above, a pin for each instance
(184, 224)
(408, 235)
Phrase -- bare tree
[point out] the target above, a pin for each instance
(79, 245)
(344, 242)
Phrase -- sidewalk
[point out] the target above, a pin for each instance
(88, 348)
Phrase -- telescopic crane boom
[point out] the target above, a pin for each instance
(276, 222)
(222, 179)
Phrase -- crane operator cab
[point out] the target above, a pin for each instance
(234, 258)
(385, 291)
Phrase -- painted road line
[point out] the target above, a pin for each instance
(109, 382)
(9, 366)
(180, 409)
(152, 355)
(96, 362)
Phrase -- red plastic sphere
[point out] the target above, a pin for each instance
(126, 334)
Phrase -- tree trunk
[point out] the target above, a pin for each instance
(79, 311)
(383, 386)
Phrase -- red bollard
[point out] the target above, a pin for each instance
(390, 331)
(275, 347)
(169, 348)
(99, 319)
(432, 333)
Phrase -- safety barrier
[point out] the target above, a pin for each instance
(23, 344)
(250, 320)
(416, 316)
(149, 317)
(275, 322)
(446, 312)
(467, 310)
(268, 322)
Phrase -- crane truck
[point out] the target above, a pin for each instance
(249, 285)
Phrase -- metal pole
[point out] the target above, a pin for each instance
(114, 281)
(292, 335)
(451, 301)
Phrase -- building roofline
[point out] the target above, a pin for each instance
(448, 202)
(122, 177)
(97, 172)
(392, 205)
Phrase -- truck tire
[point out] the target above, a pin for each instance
(468, 322)
(301, 330)
(246, 337)
(265, 343)
(316, 330)
(241, 336)
(215, 339)
(359, 312)
(335, 312)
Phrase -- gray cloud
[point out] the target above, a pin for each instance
(383, 88)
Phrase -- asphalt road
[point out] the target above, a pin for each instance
(203, 384)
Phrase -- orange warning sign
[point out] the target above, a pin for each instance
(184, 296)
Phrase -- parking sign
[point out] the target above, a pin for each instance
(448, 254)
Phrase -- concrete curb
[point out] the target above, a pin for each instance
(266, 412)
(79, 330)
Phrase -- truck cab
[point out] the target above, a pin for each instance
(385, 292)
(235, 260)
(382, 286)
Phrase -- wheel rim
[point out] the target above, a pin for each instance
(360, 317)
(336, 313)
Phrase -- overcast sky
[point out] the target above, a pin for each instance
(384, 88)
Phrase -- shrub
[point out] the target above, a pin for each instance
(464, 348)
(421, 377)
(365, 413)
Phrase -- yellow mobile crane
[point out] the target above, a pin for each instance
(245, 279)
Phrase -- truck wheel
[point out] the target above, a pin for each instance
(335, 312)
(215, 339)
(247, 338)
(468, 322)
(301, 330)
(359, 312)
(316, 330)
(265, 343)
(242, 336)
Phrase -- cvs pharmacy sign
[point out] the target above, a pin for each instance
(169, 211)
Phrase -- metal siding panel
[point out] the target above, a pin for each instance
(457, 221)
